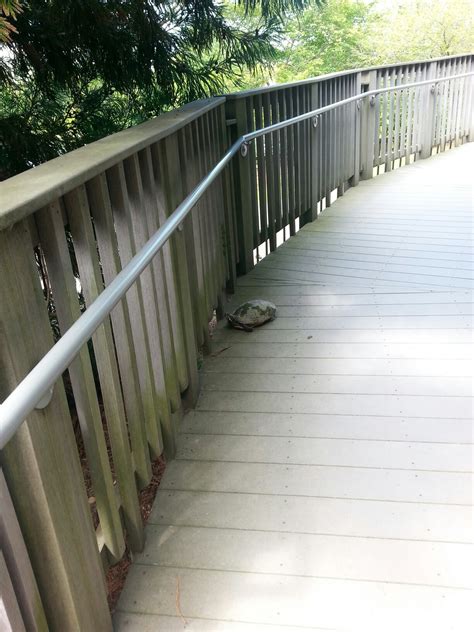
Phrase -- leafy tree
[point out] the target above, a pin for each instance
(75, 71)
(343, 34)
(424, 29)
(328, 38)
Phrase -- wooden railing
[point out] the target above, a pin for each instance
(78, 220)
(294, 174)
(69, 226)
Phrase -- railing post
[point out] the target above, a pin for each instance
(429, 112)
(242, 187)
(368, 125)
(312, 213)
(357, 120)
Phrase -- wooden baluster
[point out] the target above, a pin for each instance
(291, 162)
(122, 329)
(171, 182)
(409, 120)
(40, 462)
(85, 248)
(271, 193)
(137, 204)
(397, 114)
(243, 190)
(429, 107)
(369, 129)
(165, 296)
(51, 232)
(193, 238)
(18, 566)
(284, 153)
(202, 217)
(276, 160)
(141, 303)
(228, 206)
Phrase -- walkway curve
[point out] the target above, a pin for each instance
(324, 480)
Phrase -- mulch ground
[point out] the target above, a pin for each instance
(117, 574)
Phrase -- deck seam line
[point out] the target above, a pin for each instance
(223, 390)
(325, 577)
(288, 495)
(252, 412)
(365, 467)
(199, 618)
(184, 433)
(310, 533)
(396, 375)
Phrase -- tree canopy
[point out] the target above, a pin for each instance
(343, 34)
(74, 71)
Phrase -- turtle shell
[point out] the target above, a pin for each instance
(254, 313)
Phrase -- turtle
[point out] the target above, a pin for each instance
(252, 314)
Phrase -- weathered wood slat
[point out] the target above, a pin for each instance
(122, 329)
(138, 213)
(53, 240)
(10, 615)
(153, 198)
(270, 180)
(126, 228)
(85, 248)
(229, 217)
(217, 215)
(291, 163)
(242, 191)
(284, 151)
(201, 215)
(18, 565)
(276, 161)
(208, 217)
(251, 158)
(194, 246)
(170, 169)
(40, 463)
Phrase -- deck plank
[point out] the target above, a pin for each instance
(324, 480)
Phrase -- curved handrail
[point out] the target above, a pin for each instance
(31, 391)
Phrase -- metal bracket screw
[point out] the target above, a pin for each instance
(45, 400)
(372, 100)
(181, 227)
(315, 121)
(244, 149)
(433, 88)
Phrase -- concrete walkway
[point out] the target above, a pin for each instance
(324, 480)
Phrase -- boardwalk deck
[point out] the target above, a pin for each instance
(324, 480)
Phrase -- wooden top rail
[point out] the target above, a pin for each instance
(291, 84)
(26, 192)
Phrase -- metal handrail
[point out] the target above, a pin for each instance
(35, 390)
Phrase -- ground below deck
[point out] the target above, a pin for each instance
(324, 480)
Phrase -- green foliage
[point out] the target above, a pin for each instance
(333, 37)
(342, 34)
(76, 71)
(424, 29)
(9, 9)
